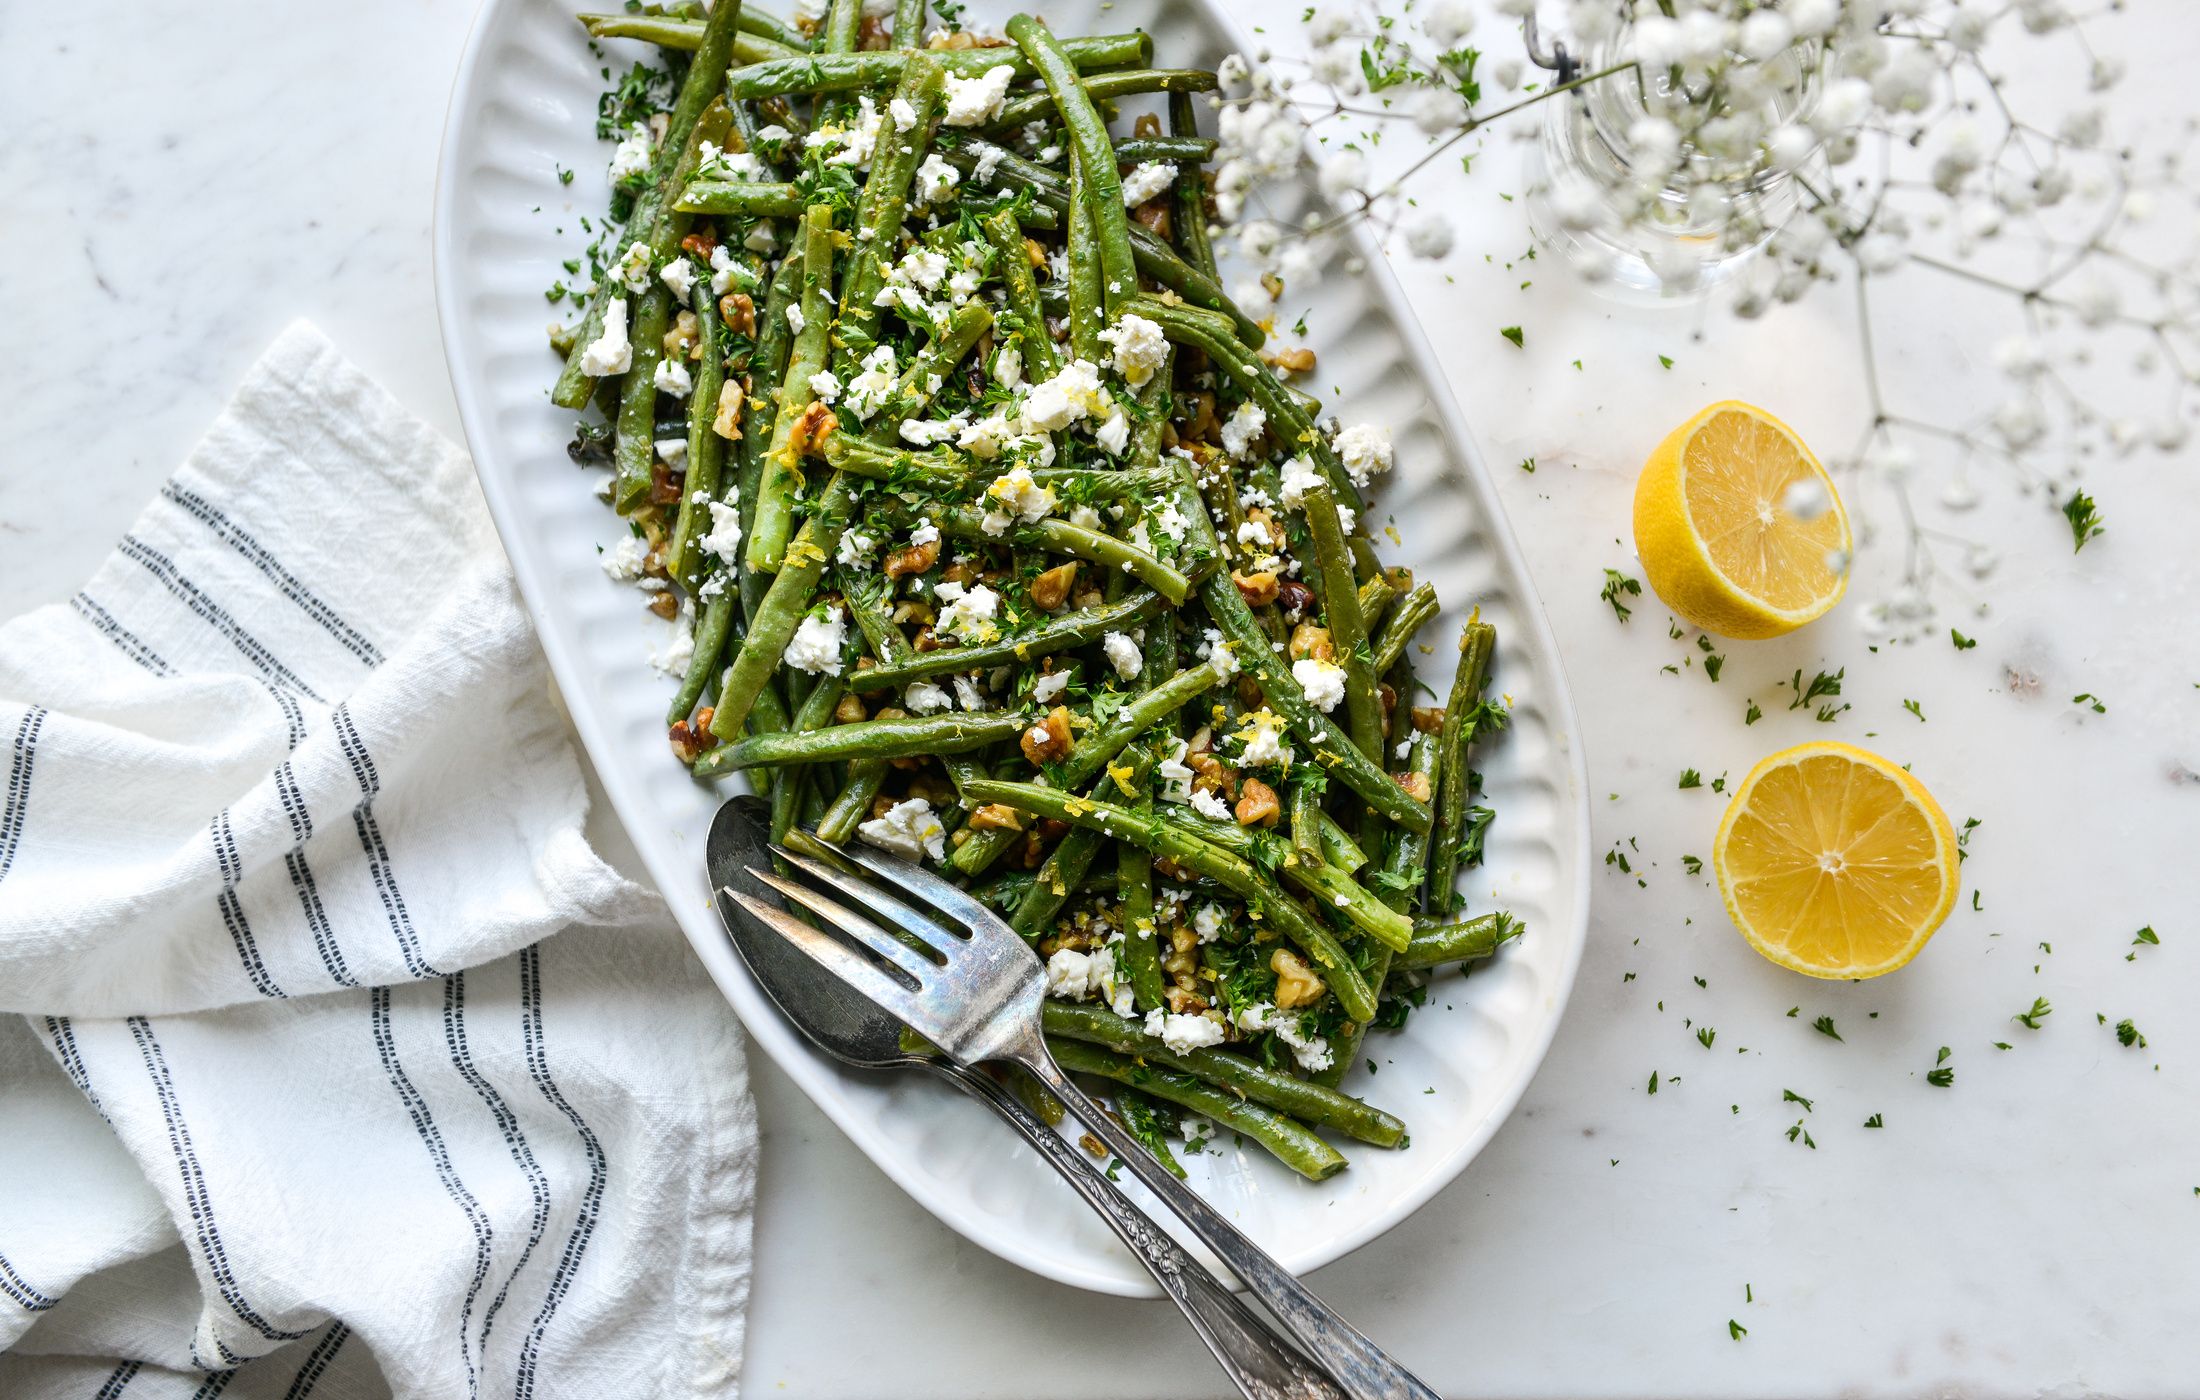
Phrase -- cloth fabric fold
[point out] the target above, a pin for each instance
(288, 816)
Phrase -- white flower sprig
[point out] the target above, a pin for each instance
(1898, 149)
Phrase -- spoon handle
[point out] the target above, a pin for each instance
(1263, 1365)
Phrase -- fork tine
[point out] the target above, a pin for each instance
(880, 941)
(835, 957)
(877, 900)
(931, 888)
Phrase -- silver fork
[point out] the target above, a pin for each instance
(974, 991)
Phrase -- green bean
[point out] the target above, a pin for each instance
(866, 596)
(1189, 212)
(1060, 537)
(1412, 613)
(865, 778)
(1332, 888)
(1347, 629)
(1435, 944)
(1009, 256)
(946, 471)
(1375, 596)
(843, 25)
(634, 436)
(751, 199)
(772, 625)
(761, 38)
(1004, 891)
(1295, 1146)
(1288, 423)
(1139, 954)
(706, 451)
(1306, 820)
(782, 472)
(1100, 86)
(676, 157)
(1072, 856)
(711, 631)
(767, 365)
(1344, 761)
(1477, 642)
(1180, 150)
(907, 737)
(1094, 166)
(1338, 848)
(1408, 850)
(1201, 857)
(1056, 634)
(1082, 257)
(883, 207)
(1241, 1075)
(928, 370)
(909, 24)
(779, 77)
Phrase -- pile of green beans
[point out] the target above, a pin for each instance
(917, 428)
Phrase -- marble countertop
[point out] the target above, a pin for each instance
(181, 186)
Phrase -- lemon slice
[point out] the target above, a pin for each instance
(1834, 862)
(1717, 527)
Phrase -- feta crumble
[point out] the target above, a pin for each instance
(626, 560)
(1243, 428)
(909, 828)
(1013, 497)
(925, 698)
(633, 267)
(1183, 1034)
(1149, 181)
(1323, 682)
(1364, 451)
(976, 101)
(1123, 654)
(1208, 805)
(724, 539)
(1299, 476)
(816, 644)
(611, 352)
(672, 377)
(969, 613)
(679, 278)
(1047, 688)
(631, 156)
(1140, 348)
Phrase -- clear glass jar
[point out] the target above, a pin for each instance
(1647, 225)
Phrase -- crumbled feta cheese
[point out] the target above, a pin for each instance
(1223, 660)
(867, 391)
(633, 267)
(1208, 805)
(825, 385)
(1045, 689)
(726, 274)
(1149, 181)
(904, 115)
(857, 142)
(1299, 475)
(1208, 922)
(1069, 975)
(632, 155)
(927, 533)
(909, 828)
(1123, 654)
(1175, 774)
(987, 437)
(772, 135)
(924, 267)
(1364, 451)
(925, 698)
(968, 695)
(611, 352)
(1139, 347)
(761, 238)
(1074, 393)
(671, 451)
(935, 180)
(1263, 739)
(1008, 366)
(1254, 533)
(673, 378)
(815, 646)
(679, 278)
(724, 539)
(1311, 1051)
(1242, 428)
(1323, 682)
(1084, 517)
(1115, 433)
(678, 651)
(855, 550)
(1170, 521)
(976, 101)
(1183, 1034)
(1014, 496)
(625, 560)
(969, 612)
(795, 319)
(989, 160)
(919, 432)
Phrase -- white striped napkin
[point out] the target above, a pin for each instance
(303, 1097)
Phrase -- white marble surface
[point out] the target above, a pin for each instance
(179, 184)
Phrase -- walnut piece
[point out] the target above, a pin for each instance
(1296, 984)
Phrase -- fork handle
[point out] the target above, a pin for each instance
(1261, 1363)
(1363, 1369)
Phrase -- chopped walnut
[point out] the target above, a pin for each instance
(1210, 775)
(664, 485)
(727, 423)
(1428, 718)
(995, 817)
(1089, 598)
(913, 559)
(1184, 1001)
(684, 337)
(701, 242)
(874, 34)
(1034, 253)
(1154, 215)
(690, 738)
(1258, 589)
(1308, 640)
(959, 572)
(1250, 695)
(1257, 804)
(850, 709)
(1050, 590)
(664, 604)
(738, 312)
(1200, 423)
(926, 640)
(1296, 984)
(811, 429)
(1415, 784)
(912, 610)
(1048, 740)
(1292, 359)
